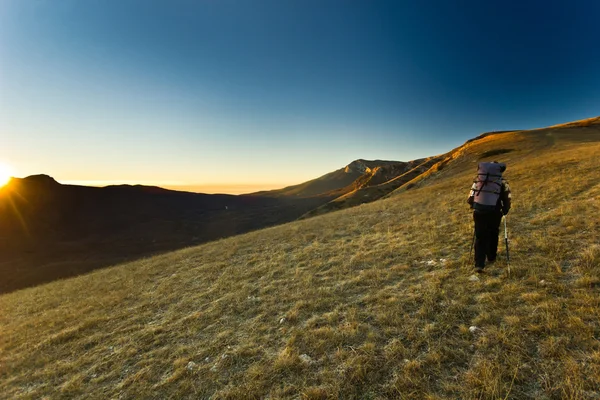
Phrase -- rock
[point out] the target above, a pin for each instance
(191, 366)
(431, 263)
(207, 360)
(306, 358)
(474, 278)
(473, 329)
(282, 320)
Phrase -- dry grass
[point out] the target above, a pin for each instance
(346, 305)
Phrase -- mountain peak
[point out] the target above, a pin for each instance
(359, 166)
(41, 179)
(362, 166)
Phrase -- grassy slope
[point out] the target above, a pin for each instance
(357, 296)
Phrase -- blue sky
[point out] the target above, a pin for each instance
(269, 93)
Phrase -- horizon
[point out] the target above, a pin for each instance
(229, 189)
(233, 189)
(227, 96)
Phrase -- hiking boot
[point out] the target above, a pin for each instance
(479, 270)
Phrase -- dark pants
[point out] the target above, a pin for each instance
(487, 229)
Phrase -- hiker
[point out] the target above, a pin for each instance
(490, 199)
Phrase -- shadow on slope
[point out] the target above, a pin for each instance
(50, 231)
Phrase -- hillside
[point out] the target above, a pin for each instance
(50, 231)
(375, 185)
(344, 180)
(359, 182)
(372, 302)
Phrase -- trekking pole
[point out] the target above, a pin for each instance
(506, 245)
(472, 245)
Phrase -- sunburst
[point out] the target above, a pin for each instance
(5, 174)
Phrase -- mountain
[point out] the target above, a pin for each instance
(377, 301)
(375, 184)
(346, 182)
(335, 183)
(50, 231)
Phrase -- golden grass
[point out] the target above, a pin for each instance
(352, 304)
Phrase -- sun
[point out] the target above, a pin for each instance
(5, 174)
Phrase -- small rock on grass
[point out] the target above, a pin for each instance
(306, 358)
(191, 366)
(474, 278)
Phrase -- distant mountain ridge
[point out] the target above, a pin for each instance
(365, 166)
(359, 182)
(359, 173)
(329, 184)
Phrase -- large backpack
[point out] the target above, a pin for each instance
(488, 184)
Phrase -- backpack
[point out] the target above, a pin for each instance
(488, 184)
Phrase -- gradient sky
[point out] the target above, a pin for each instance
(242, 95)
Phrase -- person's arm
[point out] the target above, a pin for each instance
(506, 198)
(471, 198)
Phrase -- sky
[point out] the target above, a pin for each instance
(237, 96)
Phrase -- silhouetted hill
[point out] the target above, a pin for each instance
(49, 230)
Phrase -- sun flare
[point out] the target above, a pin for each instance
(5, 174)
